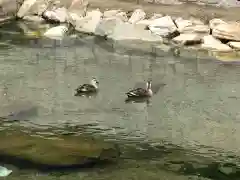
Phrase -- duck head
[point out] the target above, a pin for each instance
(95, 82)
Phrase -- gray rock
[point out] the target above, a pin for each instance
(26, 6)
(33, 19)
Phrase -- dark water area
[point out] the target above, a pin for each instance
(188, 131)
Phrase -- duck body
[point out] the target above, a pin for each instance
(87, 88)
(141, 92)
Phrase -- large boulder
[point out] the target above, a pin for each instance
(163, 26)
(126, 31)
(89, 23)
(228, 31)
(211, 43)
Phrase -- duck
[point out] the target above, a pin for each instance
(93, 87)
(141, 92)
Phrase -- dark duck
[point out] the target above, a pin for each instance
(140, 93)
(87, 89)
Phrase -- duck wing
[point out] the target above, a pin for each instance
(85, 88)
(138, 92)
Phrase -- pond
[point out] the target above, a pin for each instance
(189, 130)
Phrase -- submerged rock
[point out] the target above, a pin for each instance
(137, 15)
(38, 150)
(163, 26)
(228, 31)
(211, 43)
(57, 32)
(126, 31)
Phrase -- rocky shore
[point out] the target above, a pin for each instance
(208, 33)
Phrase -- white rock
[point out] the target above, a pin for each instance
(229, 31)
(188, 39)
(33, 18)
(211, 43)
(214, 22)
(89, 23)
(145, 22)
(163, 26)
(57, 32)
(78, 7)
(234, 44)
(73, 18)
(27, 4)
(58, 15)
(126, 31)
(137, 15)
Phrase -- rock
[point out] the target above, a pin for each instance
(73, 18)
(229, 31)
(234, 44)
(33, 19)
(111, 13)
(89, 23)
(59, 15)
(214, 22)
(163, 26)
(57, 32)
(126, 31)
(38, 150)
(27, 4)
(106, 26)
(200, 29)
(137, 15)
(191, 26)
(211, 43)
(188, 39)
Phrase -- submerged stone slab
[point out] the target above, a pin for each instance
(46, 149)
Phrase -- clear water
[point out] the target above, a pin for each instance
(189, 130)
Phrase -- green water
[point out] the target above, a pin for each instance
(189, 130)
